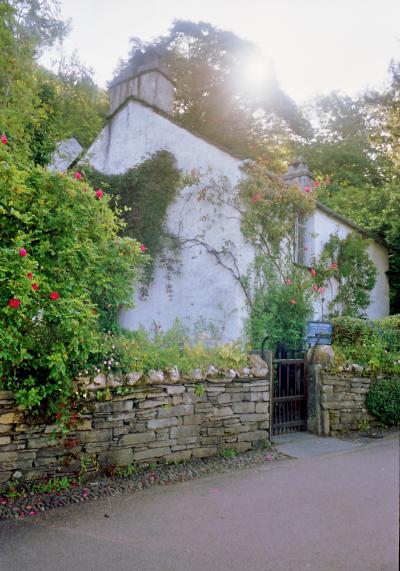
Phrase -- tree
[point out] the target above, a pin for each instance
(354, 153)
(215, 95)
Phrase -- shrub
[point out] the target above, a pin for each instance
(383, 401)
(129, 351)
(374, 344)
(64, 272)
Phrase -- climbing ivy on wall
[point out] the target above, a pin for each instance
(347, 262)
(143, 194)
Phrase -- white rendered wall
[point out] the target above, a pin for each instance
(321, 226)
(203, 294)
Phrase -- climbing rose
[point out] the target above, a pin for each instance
(333, 266)
(307, 189)
(293, 301)
(314, 287)
(77, 175)
(14, 302)
(313, 272)
(143, 248)
(29, 275)
(256, 198)
(99, 193)
(35, 286)
(316, 183)
(4, 139)
(288, 281)
(321, 290)
(22, 252)
(54, 295)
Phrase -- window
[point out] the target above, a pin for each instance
(301, 244)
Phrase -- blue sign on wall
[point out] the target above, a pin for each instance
(319, 333)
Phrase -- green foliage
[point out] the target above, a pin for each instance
(141, 351)
(199, 390)
(143, 194)
(347, 263)
(280, 311)
(372, 344)
(215, 95)
(383, 401)
(64, 273)
(278, 290)
(271, 210)
(37, 107)
(228, 453)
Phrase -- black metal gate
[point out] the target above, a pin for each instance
(289, 394)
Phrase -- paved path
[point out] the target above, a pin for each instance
(305, 444)
(325, 513)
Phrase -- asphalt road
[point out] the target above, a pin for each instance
(334, 512)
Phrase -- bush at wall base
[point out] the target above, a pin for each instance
(383, 401)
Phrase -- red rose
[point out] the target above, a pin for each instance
(22, 252)
(316, 183)
(29, 275)
(333, 266)
(256, 198)
(288, 281)
(14, 303)
(313, 272)
(99, 193)
(77, 175)
(35, 286)
(293, 301)
(307, 189)
(54, 295)
(143, 248)
(4, 139)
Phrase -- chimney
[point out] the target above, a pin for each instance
(146, 79)
(299, 173)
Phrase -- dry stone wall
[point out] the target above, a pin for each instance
(159, 423)
(337, 401)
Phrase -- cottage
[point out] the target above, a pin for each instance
(202, 294)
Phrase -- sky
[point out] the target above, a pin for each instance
(315, 46)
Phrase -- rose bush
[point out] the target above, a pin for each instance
(64, 273)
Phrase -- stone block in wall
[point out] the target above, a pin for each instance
(262, 407)
(222, 412)
(97, 435)
(185, 431)
(117, 457)
(153, 403)
(137, 438)
(151, 453)
(5, 476)
(244, 407)
(178, 410)
(158, 423)
(204, 452)
(253, 436)
(256, 417)
(193, 419)
(236, 429)
(11, 418)
(5, 440)
(174, 390)
(203, 407)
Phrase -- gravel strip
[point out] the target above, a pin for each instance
(362, 437)
(163, 474)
